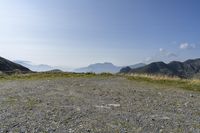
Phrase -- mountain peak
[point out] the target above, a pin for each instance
(105, 67)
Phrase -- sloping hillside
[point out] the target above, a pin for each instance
(187, 69)
(8, 66)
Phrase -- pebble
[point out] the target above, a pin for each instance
(70, 130)
(88, 130)
(186, 104)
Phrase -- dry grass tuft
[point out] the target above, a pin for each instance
(50, 75)
(189, 84)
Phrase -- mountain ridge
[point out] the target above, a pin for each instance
(186, 69)
(105, 67)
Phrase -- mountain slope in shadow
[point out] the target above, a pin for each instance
(9, 66)
(187, 69)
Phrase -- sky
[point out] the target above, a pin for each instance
(76, 33)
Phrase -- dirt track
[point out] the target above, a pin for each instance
(90, 105)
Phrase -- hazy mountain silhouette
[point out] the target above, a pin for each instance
(40, 67)
(55, 71)
(37, 68)
(187, 69)
(9, 66)
(104, 67)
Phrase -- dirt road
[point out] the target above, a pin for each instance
(96, 105)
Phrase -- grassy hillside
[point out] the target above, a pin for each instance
(188, 84)
(49, 75)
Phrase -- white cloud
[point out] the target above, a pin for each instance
(171, 55)
(187, 46)
(165, 53)
(149, 59)
(161, 50)
(162, 55)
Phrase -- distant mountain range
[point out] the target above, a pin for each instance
(96, 68)
(37, 68)
(105, 67)
(40, 67)
(7, 66)
(187, 69)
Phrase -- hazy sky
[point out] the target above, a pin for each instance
(76, 33)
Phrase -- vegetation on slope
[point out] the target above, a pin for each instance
(49, 75)
(188, 84)
(187, 69)
(159, 80)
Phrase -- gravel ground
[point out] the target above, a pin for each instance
(96, 105)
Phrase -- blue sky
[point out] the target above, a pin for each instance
(76, 33)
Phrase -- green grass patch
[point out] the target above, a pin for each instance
(10, 100)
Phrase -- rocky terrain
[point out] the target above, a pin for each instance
(96, 105)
